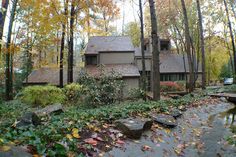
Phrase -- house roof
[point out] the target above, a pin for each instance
(98, 44)
(125, 70)
(174, 63)
(49, 76)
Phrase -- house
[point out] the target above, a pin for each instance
(173, 66)
(115, 53)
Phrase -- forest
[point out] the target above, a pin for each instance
(78, 117)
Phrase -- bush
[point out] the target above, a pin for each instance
(104, 90)
(42, 95)
(171, 86)
(136, 93)
(73, 92)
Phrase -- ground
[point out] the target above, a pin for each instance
(201, 132)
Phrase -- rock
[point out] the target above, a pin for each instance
(176, 113)
(223, 99)
(15, 152)
(28, 119)
(175, 96)
(165, 120)
(51, 109)
(182, 108)
(133, 128)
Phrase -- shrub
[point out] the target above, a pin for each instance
(104, 90)
(170, 86)
(42, 95)
(73, 92)
(136, 93)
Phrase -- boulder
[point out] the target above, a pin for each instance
(133, 127)
(27, 119)
(14, 152)
(51, 109)
(165, 120)
(176, 113)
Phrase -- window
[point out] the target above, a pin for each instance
(91, 60)
(173, 77)
(165, 45)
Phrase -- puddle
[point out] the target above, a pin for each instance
(229, 119)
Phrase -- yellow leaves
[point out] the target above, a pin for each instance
(5, 148)
(74, 134)
(93, 128)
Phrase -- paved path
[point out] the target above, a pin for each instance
(200, 133)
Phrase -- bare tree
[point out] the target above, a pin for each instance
(144, 78)
(231, 35)
(9, 88)
(202, 45)
(155, 53)
(188, 48)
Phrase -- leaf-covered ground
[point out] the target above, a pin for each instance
(89, 132)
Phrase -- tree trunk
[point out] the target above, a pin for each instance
(155, 54)
(202, 45)
(9, 88)
(144, 78)
(2, 20)
(232, 38)
(188, 48)
(63, 46)
(71, 43)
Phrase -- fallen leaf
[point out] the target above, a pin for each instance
(4, 148)
(120, 142)
(69, 136)
(91, 141)
(146, 148)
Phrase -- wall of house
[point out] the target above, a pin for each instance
(148, 64)
(116, 57)
(130, 82)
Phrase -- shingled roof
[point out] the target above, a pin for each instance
(48, 76)
(98, 44)
(125, 70)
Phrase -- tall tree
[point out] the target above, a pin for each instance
(3, 12)
(155, 53)
(202, 44)
(71, 43)
(144, 78)
(188, 47)
(232, 37)
(9, 88)
(63, 44)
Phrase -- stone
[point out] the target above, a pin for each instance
(176, 113)
(51, 109)
(133, 128)
(15, 152)
(27, 119)
(175, 96)
(165, 120)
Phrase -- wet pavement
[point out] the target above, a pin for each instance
(201, 132)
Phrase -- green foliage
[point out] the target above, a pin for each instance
(104, 90)
(226, 71)
(48, 139)
(136, 93)
(132, 29)
(42, 95)
(73, 92)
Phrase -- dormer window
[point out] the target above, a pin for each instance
(165, 45)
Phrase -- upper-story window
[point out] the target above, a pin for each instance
(91, 60)
(165, 45)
